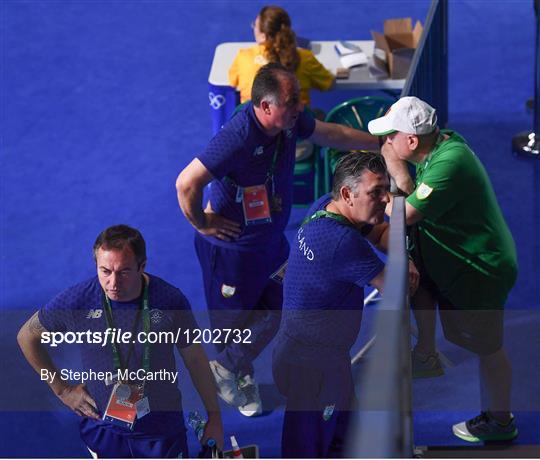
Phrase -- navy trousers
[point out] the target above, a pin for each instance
(319, 392)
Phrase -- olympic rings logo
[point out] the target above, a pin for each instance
(216, 100)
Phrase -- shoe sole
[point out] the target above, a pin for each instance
(500, 437)
(249, 413)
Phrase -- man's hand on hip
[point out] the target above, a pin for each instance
(79, 401)
(219, 226)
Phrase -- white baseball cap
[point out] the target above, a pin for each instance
(409, 115)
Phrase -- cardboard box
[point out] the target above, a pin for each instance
(395, 48)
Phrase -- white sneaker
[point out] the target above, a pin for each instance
(227, 385)
(250, 389)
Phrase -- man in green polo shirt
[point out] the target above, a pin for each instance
(466, 251)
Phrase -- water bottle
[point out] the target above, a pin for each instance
(236, 451)
(197, 422)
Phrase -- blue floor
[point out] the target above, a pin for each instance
(103, 103)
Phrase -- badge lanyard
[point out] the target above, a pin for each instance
(332, 215)
(269, 174)
(322, 213)
(145, 311)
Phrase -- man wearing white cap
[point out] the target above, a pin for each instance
(467, 253)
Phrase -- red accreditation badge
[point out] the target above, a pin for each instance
(256, 206)
(126, 403)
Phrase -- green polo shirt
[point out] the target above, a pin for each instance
(462, 227)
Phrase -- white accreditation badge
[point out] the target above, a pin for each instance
(126, 404)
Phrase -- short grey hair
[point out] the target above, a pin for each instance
(350, 168)
(268, 82)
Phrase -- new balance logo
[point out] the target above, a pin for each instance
(94, 314)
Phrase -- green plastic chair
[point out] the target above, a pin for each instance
(238, 108)
(306, 173)
(355, 113)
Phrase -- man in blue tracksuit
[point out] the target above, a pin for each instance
(124, 297)
(330, 263)
(239, 241)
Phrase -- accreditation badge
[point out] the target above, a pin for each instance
(126, 404)
(256, 205)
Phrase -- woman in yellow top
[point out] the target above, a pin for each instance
(276, 42)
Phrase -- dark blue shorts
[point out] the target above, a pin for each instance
(240, 280)
(240, 295)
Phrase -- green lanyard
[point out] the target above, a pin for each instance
(270, 173)
(338, 217)
(145, 310)
(332, 215)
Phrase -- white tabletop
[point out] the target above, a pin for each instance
(359, 78)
